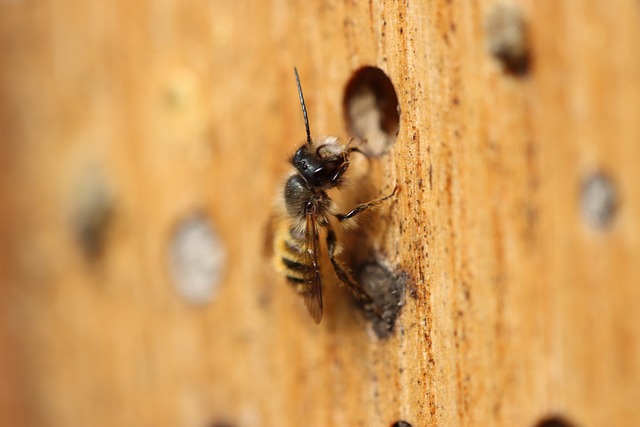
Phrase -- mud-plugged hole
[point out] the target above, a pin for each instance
(386, 288)
(371, 111)
(598, 199)
(197, 258)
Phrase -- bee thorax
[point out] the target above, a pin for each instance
(296, 196)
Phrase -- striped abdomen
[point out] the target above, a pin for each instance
(290, 257)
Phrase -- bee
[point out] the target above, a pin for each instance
(306, 210)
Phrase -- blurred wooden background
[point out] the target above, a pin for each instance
(130, 128)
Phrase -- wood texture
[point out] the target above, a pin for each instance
(517, 309)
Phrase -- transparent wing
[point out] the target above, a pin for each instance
(313, 294)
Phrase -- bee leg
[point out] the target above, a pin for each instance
(342, 274)
(364, 206)
(342, 169)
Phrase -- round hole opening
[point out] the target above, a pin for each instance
(598, 200)
(371, 112)
(507, 36)
(554, 421)
(197, 258)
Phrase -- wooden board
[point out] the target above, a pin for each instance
(517, 221)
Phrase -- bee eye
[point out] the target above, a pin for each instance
(303, 164)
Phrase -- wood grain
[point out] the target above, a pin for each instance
(518, 308)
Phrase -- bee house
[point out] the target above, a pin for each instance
(144, 146)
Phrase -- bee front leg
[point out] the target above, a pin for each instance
(364, 206)
(341, 272)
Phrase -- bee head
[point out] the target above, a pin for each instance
(321, 166)
(321, 171)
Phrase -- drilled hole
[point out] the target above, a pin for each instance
(92, 209)
(401, 424)
(371, 110)
(554, 422)
(598, 200)
(197, 258)
(507, 37)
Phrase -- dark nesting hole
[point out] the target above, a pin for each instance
(92, 210)
(507, 37)
(554, 421)
(371, 112)
(401, 424)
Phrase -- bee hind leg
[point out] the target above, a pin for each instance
(341, 272)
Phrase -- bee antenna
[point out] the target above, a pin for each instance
(304, 107)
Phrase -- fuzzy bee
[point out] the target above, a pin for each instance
(306, 210)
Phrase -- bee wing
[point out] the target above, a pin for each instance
(313, 296)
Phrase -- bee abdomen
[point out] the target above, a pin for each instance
(294, 265)
(294, 270)
(293, 246)
(290, 257)
(295, 280)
